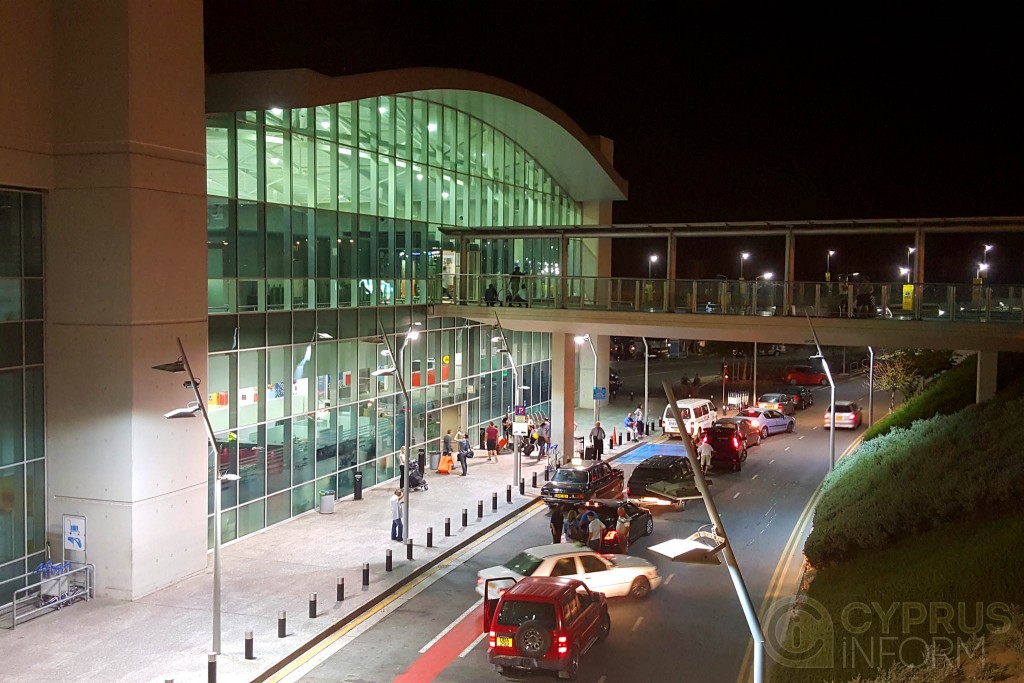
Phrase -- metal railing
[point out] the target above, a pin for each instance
(888, 300)
(59, 585)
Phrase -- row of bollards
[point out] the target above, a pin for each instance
(282, 616)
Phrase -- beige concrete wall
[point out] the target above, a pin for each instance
(102, 107)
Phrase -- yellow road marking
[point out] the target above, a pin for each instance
(326, 642)
(785, 559)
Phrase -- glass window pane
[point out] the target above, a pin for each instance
(249, 161)
(251, 240)
(474, 146)
(32, 235)
(35, 506)
(251, 463)
(220, 241)
(403, 130)
(348, 177)
(278, 164)
(34, 342)
(303, 242)
(279, 448)
(10, 234)
(10, 346)
(462, 142)
(35, 433)
(250, 518)
(303, 498)
(218, 154)
(385, 186)
(12, 531)
(12, 430)
(10, 299)
(279, 508)
(435, 156)
(419, 131)
(326, 120)
(279, 247)
(367, 183)
(368, 124)
(385, 120)
(303, 171)
(251, 381)
(326, 175)
(303, 463)
(346, 124)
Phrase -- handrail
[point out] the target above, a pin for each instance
(59, 585)
(942, 302)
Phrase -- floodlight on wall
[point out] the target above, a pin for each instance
(701, 547)
(188, 411)
(176, 366)
(384, 372)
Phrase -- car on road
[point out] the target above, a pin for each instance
(613, 575)
(801, 395)
(641, 521)
(771, 349)
(747, 427)
(577, 483)
(848, 416)
(780, 402)
(729, 447)
(614, 382)
(544, 624)
(769, 421)
(662, 480)
(804, 374)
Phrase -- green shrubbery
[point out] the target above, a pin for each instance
(946, 395)
(913, 479)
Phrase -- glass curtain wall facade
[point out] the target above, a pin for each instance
(323, 230)
(22, 431)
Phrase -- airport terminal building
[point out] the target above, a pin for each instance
(278, 223)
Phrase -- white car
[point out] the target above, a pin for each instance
(770, 421)
(613, 575)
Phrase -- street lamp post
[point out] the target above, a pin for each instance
(743, 257)
(832, 398)
(182, 365)
(647, 377)
(982, 267)
(905, 271)
(910, 268)
(412, 335)
(652, 259)
(517, 392)
(579, 342)
(828, 264)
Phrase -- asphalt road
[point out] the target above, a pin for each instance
(692, 628)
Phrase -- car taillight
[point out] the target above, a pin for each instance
(563, 645)
(735, 442)
(610, 535)
(479, 580)
(491, 640)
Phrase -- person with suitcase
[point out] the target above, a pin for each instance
(597, 437)
(465, 452)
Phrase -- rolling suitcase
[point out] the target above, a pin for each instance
(590, 453)
(444, 465)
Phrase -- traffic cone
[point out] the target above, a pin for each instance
(611, 446)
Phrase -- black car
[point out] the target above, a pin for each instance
(671, 473)
(614, 381)
(641, 522)
(746, 426)
(801, 395)
(578, 483)
(730, 448)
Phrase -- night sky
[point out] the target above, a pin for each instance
(722, 112)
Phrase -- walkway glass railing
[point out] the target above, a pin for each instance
(890, 300)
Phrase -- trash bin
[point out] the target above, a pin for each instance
(435, 460)
(327, 502)
(357, 483)
(483, 439)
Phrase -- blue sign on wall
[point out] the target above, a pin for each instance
(600, 393)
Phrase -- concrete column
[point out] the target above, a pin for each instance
(563, 391)
(988, 364)
(125, 274)
(671, 265)
(790, 271)
(919, 254)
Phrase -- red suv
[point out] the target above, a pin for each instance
(804, 374)
(544, 622)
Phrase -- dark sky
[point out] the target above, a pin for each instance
(719, 112)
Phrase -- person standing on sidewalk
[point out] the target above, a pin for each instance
(595, 530)
(557, 524)
(543, 438)
(397, 532)
(491, 436)
(465, 452)
(402, 458)
(597, 437)
(446, 444)
(705, 451)
(622, 530)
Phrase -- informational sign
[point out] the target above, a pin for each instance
(74, 533)
(908, 297)
(600, 393)
(520, 411)
(520, 428)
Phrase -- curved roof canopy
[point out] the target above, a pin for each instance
(574, 159)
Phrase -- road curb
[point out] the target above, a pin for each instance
(359, 612)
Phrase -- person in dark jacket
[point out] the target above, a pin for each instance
(557, 524)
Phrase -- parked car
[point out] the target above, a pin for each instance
(662, 480)
(804, 374)
(770, 421)
(577, 483)
(781, 402)
(848, 415)
(614, 382)
(544, 623)
(641, 521)
(729, 447)
(771, 349)
(801, 395)
(613, 575)
(748, 427)
(697, 414)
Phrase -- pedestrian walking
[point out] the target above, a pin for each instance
(595, 530)
(465, 452)
(557, 524)
(696, 385)
(622, 529)
(705, 451)
(491, 436)
(397, 532)
(506, 426)
(597, 437)
(446, 443)
(543, 439)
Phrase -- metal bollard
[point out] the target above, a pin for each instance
(479, 509)
(248, 645)
(522, 486)
(494, 501)
(340, 594)
(447, 526)
(465, 517)
(547, 473)
(508, 493)
(282, 624)
(366, 574)
(211, 667)
(408, 549)
(534, 480)
(387, 562)
(312, 605)
(430, 537)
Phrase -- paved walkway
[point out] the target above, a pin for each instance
(167, 635)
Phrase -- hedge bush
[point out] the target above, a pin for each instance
(910, 480)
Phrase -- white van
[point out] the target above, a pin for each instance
(698, 414)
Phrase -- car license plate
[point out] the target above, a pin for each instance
(504, 642)
(561, 495)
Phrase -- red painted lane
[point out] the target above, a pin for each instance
(442, 653)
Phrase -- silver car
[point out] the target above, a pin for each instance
(781, 402)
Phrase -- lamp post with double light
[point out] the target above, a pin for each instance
(905, 271)
(517, 393)
(651, 260)
(828, 264)
(190, 410)
(580, 340)
(743, 257)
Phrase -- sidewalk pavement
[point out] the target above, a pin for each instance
(168, 634)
